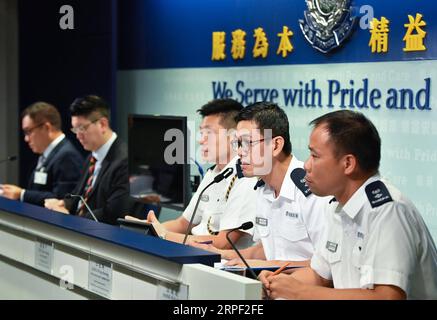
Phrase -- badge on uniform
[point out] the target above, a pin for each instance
(292, 215)
(377, 194)
(261, 221)
(298, 177)
(331, 246)
(205, 198)
(40, 178)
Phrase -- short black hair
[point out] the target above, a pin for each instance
(90, 105)
(41, 112)
(226, 109)
(268, 115)
(351, 132)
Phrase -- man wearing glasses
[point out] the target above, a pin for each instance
(104, 184)
(289, 220)
(58, 169)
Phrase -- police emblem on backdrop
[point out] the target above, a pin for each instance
(327, 23)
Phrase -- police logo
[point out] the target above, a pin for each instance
(327, 23)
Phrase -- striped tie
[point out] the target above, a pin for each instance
(89, 186)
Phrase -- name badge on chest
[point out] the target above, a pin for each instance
(261, 221)
(332, 246)
(40, 178)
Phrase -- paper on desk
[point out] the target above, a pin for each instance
(222, 266)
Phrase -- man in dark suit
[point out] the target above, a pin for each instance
(104, 183)
(59, 163)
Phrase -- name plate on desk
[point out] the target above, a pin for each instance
(100, 277)
(44, 255)
(168, 291)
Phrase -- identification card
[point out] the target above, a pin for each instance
(40, 178)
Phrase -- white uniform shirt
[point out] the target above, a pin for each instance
(291, 225)
(216, 213)
(388, 244)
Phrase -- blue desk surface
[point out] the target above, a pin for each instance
(150, 245)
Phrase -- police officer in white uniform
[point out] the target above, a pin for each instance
(224, 205)
(289, 219)
(289, 225)
(376, 244)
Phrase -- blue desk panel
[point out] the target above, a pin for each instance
(150, 245)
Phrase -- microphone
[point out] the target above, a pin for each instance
(223, 175)
(244, 226)
(70, 196)
(10, 158)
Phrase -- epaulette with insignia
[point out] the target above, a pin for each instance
(377, 194)
(239, 170)
(260, 183)
(298, 177)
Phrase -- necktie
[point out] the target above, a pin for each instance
(88, 186)
(41, 160)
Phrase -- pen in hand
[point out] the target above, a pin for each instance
(204, 242)
(278, 271)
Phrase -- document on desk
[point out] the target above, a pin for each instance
(222, 266)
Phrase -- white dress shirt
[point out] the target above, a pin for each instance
(216, 213)
(291, 225)
(378, 237)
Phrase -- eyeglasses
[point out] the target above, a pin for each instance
(84, 127)
(28, 132)
(244, 144)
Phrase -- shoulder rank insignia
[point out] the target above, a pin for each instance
(377, 194)
(298, 177)
(332, 200)
(239, 170)
(259, 184)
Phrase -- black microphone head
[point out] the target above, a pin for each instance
(68, 196)
(247, 225)
(228, 172)
(223, 175)
(12, 158)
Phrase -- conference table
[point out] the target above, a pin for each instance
(50, 255)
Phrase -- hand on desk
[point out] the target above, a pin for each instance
(151, 218)
(256, 263)
(10, 191)
(160, 229)
(207, 247)
(56, 205)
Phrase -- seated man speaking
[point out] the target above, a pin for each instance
(225, 205)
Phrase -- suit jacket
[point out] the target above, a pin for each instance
(62, 166)
(109, 198)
